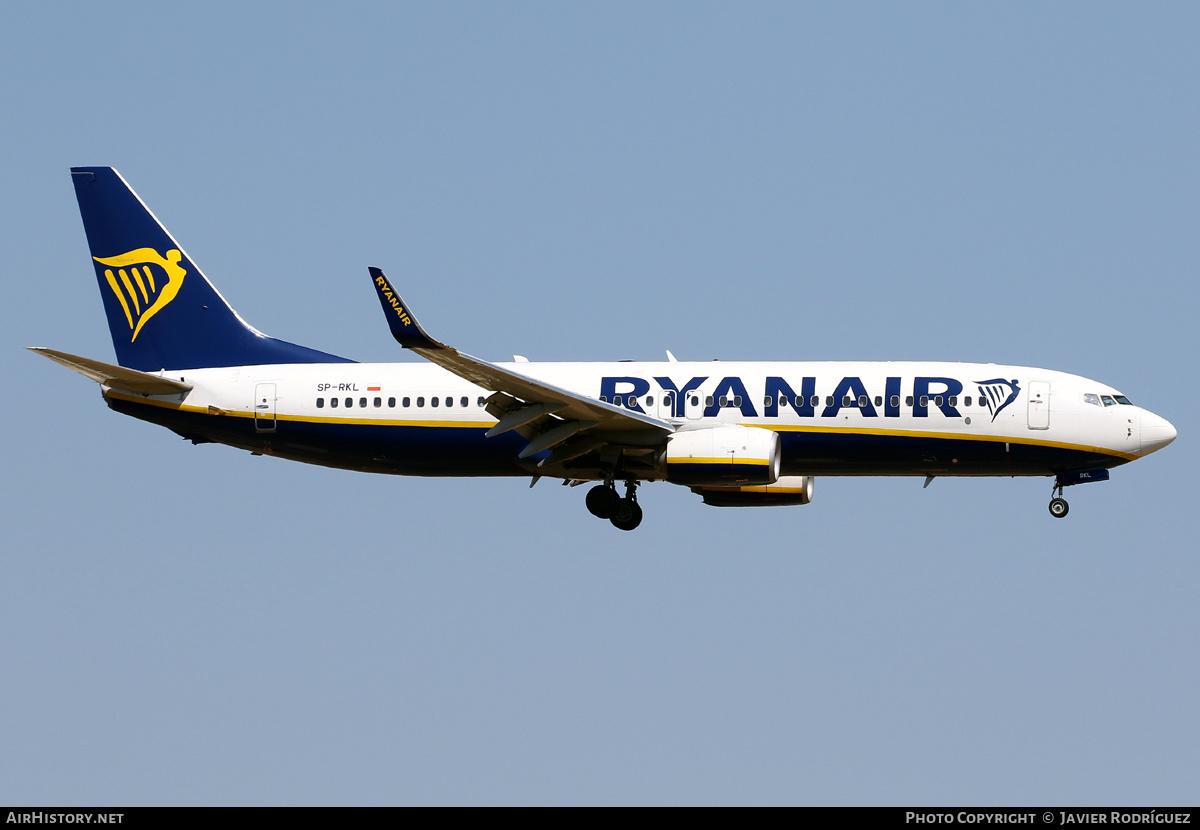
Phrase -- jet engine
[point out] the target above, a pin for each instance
(728, 455)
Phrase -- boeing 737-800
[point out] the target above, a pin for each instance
(737, 434)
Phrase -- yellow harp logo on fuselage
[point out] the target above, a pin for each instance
(141, 292)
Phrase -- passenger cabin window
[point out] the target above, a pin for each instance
(480, 402)
(378, 402)
(845, 400)
(924, 400)
(391, 403)
(449, 401)
(604, 399)
(724, 401)
(1092, 398)
(320, 403)
(829, 400)
(967, 400)
(894, 400)
(1108, 401)
(814, 401)
(879, 400)
(952, 400)
(434, 401)
(708, 400)
(464, 401)
(362, 402)
(863, 400)
(737, 400)
(333, 402)
(350, 402)
(908, 401)
(420, 402)
(406, 402)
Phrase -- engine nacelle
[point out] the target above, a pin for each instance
(718, 456)
(788, 490)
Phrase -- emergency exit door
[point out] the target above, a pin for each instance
(264, 407)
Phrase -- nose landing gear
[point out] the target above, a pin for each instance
(604, 503)
(1058, 505)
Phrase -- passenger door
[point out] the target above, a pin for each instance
(1039, 404)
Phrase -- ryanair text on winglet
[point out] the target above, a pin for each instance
(393, 300)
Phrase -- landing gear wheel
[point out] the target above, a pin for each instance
(602, 501)
(1058, 508)
(627, 516)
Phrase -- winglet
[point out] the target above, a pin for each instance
(404, 325)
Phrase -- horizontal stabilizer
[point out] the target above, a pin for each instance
(117, 377)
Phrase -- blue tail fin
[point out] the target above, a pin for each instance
(163, 313)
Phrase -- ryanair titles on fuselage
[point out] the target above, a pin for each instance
(917, 398)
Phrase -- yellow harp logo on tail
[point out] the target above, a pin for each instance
(141, 291)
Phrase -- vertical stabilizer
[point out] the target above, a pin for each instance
(163, 313)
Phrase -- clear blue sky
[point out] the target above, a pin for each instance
(1016, 183)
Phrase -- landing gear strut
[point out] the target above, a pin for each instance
(604, 503)
(628, 514)
(1058, 505)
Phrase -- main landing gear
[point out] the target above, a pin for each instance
(604, 503)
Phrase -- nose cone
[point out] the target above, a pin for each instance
(1156, 432)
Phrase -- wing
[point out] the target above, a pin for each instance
(548, 415)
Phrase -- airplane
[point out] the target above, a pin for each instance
(736, 433)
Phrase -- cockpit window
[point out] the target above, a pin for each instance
(1092, 398)
(1121, 399)
(1108, 401)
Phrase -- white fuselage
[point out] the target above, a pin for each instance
(854, 418)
